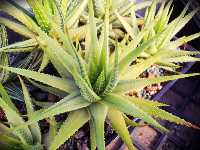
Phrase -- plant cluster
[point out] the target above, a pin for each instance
(93, 82)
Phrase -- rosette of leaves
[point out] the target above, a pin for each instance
(164, 43)
(28, 137)
(19, 61)
(95, 85)
(123, 7)
(64, 13)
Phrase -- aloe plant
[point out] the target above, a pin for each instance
(94, 85)
(25, 138)
(164, 43)
(64, 13)
(7, 77)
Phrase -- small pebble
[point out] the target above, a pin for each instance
(51, 97)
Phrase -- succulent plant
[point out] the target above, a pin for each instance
(19, 61)
(164, 43)
(26, 138)
(95, 85)
(64, 13)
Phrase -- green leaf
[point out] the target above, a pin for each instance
(174, 44)
(135, 70)
(14, 91)
(32, 147)
(24, 137)
(87, 93)
(185, 20)
(98, 8)
(40, 15)
(7, 99)
(163, 19)
(104, 58)
(59, 18)
(56, 62)
(134, 19)
(94, 48)
(15, 119)
(133, 44)
(100, 83)
(130, 122)
(113, 76)
(62, 55)
(119, 125)
(156, 112)
(24, 46)
(15, 12)
(92, 136)
(20, 64)
(171, 27)
(74, 121)
(125, 86)
(44, 63)
(52, 90)
(79, 32)
(21, 29)
(50, 135)
(9, 143)
(34, 128)
(4, 74)
(127, 27)
(181, 59)
(72, 102)
(117, 102)
(166, 64)
(60, 83)
(73, 15)
(126, 61)
(30, 14)
(3, 37)
(48, 6)
(98, 113)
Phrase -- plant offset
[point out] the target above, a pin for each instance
(94, 82)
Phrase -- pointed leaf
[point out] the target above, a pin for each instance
(98, 113)
(117, 102)
(75, 13)
(52, 90)
(125, 86)
(156, 112)
(75, 120)
(60, 83)
(34, 128)
(119, 125)
(72, 102)
(21, 29)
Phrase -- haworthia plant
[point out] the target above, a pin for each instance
(96, 91)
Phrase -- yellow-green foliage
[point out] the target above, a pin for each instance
(95, 84)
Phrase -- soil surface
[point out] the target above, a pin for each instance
(148, 136)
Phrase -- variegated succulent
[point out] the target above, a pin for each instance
(93, 83)
(123, 7)
(28, 137)
(18, 61)
(164, 43)
(64, 13)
